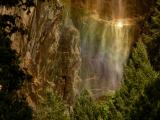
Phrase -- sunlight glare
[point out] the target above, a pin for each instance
(119, 24)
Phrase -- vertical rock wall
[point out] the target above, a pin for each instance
(68, 63)
(50, 48)
(49, 51)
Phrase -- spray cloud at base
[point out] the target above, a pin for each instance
(106, 35)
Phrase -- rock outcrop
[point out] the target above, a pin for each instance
(48, 50)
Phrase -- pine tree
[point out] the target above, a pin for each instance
(138, 74)
(50, 107)
(150, 103)
(152, 36)
(138, 98)
(85, 107)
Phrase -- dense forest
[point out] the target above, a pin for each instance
(40, 63)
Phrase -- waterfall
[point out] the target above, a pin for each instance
(105, 29)
(106, 37)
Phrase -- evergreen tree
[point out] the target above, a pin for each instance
(138, 98)
(151, 35)
(85, 108)
(150, 103)
(138, 75)
(51, 107)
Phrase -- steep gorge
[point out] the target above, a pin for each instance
(76, 44)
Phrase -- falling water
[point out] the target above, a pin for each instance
(106, 37)
(105, 45)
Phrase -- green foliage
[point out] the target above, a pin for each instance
(138, 98)
(51, 107)
(148, 105)
(86, 108)
(152, 37)
(103, 109)
(138, 75)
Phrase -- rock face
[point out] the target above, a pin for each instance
(49, 51)
(68, 63)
